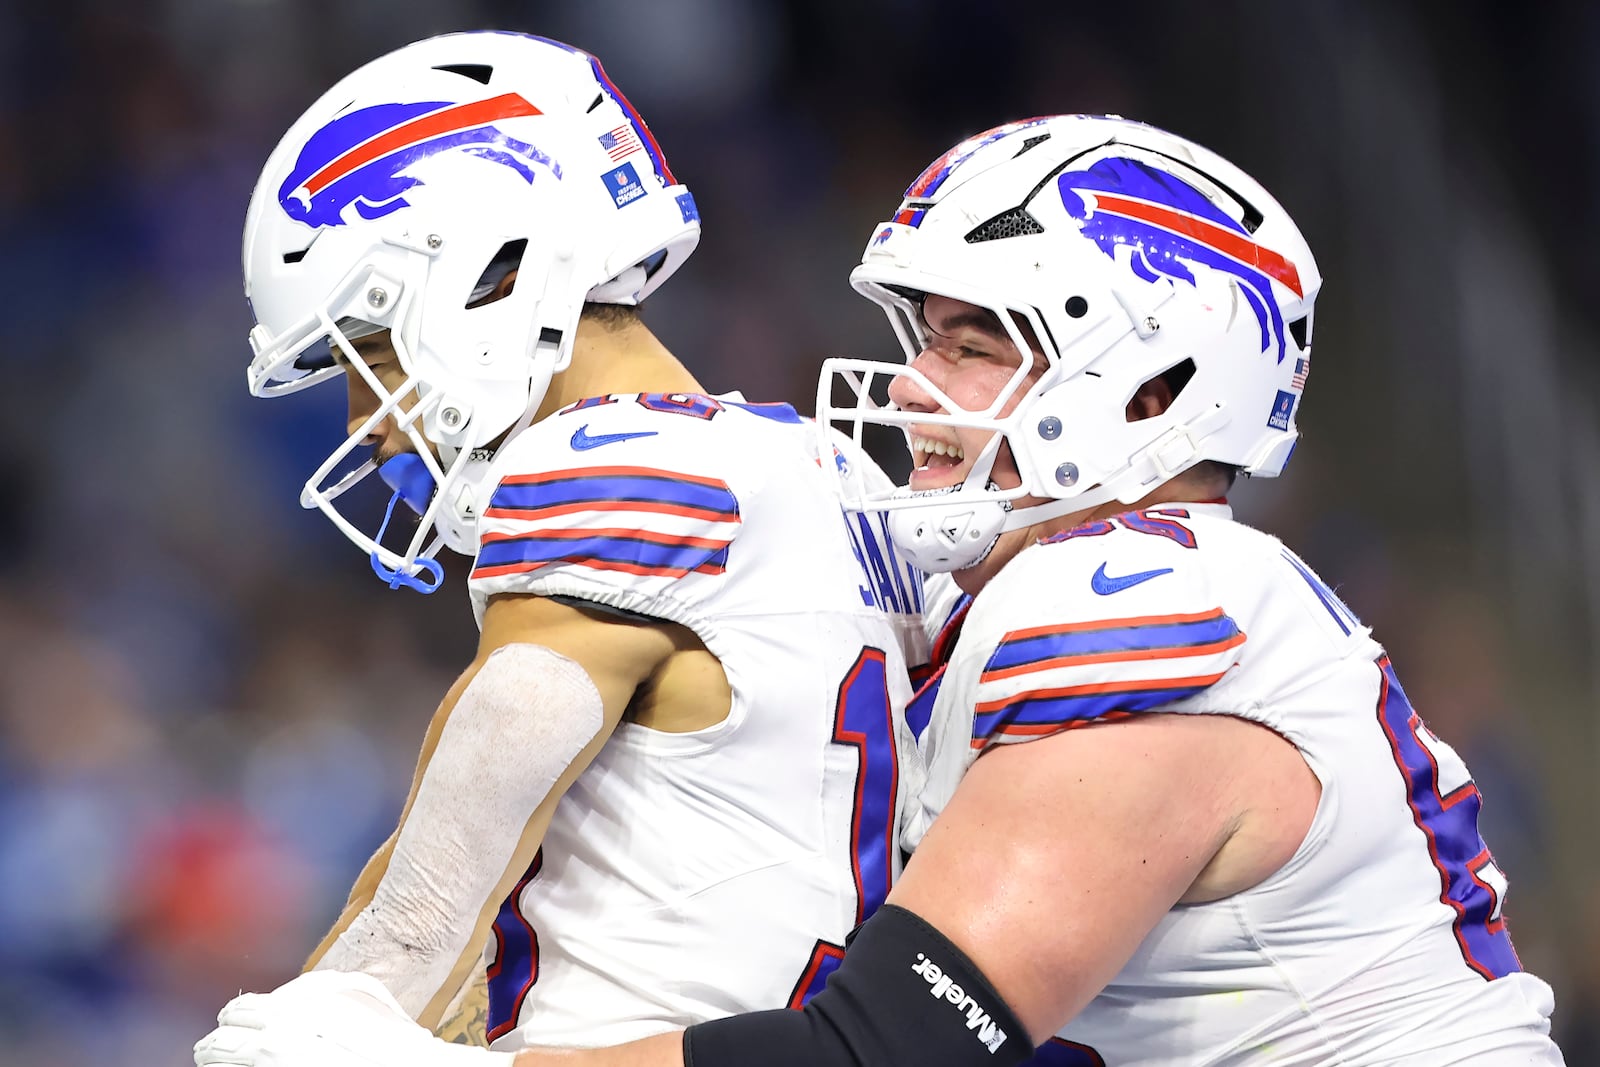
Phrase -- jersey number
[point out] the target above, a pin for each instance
(863, 718)
(516, 958)
(1444, 805)
(696, 404)
(1158, 522)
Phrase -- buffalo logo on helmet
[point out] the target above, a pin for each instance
(1166, 224)
(359, 160)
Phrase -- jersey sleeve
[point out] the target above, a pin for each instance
(1097, 631)
(633, 522)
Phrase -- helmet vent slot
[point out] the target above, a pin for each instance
(478, 72)
(1248, 215)
(598, 97)
(1036, 139)
(1299, 329)
(1013, 223)
(653, 263)
(295, 256)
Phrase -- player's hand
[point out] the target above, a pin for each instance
(329, 1019)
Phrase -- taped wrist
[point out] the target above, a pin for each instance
(903, 996)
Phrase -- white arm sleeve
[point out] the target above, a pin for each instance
(520, 722)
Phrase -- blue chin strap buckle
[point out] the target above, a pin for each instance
(408, 476)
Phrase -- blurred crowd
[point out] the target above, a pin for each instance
(210, 711)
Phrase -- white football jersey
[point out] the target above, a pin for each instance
(1382, 940)
(691, 876)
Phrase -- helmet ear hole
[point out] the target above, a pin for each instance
(478, 72)
(502, 263)
(1177, 377)
(1148, 400)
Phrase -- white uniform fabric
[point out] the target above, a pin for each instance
(1381, 941)
(690, 876)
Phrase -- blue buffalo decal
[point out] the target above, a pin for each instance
(1166, 223)
(359, 159)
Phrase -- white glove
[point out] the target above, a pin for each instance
(330, 1019)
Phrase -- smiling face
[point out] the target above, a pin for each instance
(970, 357)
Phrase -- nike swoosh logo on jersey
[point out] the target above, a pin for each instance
(1105, 585)
(581, 441)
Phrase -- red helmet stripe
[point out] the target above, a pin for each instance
(460, 117)
(1207, 233)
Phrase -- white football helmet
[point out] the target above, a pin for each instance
(397, 200)
(1127, 252)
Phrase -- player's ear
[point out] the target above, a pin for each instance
(1151, 399)
(503, 287)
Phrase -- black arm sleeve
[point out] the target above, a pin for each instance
(903, 996)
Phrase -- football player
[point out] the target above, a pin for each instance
(1179, 808)
(677, 751)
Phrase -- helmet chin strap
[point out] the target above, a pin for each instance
(955, 531)
(1033, 514)
(456, 519)
(960, 525)
(939, 538)
(1020, 516)
(959, 534)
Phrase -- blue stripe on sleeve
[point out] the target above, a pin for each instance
(1049, 710)
(582, 488)
(1019, 652)
(536, 549)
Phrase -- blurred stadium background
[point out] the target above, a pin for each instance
(209, 709)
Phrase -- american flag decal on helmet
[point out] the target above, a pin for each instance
(620, 142)
(1302, 368)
